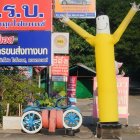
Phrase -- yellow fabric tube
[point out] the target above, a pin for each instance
(105, 66)
(80, 31)
(118, 33)
(106, 78)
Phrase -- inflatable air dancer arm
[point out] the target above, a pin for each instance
(84, 34)
(118, 33)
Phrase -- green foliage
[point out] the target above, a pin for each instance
(15, 90)
(58, 89)
(47, 101)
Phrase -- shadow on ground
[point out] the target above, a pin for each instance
(87, 130)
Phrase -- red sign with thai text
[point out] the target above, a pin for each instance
(71, 88)
(25, 14)
(60, 66)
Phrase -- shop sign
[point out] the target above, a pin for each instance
(25, 48)
(75, 8)
(60, 66)
(60, 43)
(59, 78)
(25, 15)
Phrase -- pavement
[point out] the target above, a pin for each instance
(133, 110)
(87, 130)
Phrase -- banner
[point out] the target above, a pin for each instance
(75, 8)
(25, 15)
(60, 43)
(71, 87)
(60, 66)
(123, 92)
(25, 48)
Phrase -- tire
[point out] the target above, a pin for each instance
(45, 119)
(72, 119)
(59, 119)
(70, 132)
(52, 121)
(31, 122)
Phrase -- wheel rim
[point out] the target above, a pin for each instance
(31, 122)
(72, 119)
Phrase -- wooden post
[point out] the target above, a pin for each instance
(19, 110)
(7, 110)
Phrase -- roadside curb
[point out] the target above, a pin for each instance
(131, 130)
(10, 131)
(126, 130)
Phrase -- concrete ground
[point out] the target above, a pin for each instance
(87, 130)
(133, 109)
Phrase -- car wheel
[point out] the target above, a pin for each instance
(72, 119)
(31, 122)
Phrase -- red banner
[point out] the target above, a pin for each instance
(71, 88)
(25, 14)
(60, 66)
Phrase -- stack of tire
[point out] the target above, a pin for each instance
(33, 121)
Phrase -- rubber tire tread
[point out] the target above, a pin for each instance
(45, 118)
(52, 121)
(59, 119)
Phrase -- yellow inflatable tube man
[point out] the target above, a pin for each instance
(105, 62)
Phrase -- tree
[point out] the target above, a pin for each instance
(16, 89)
